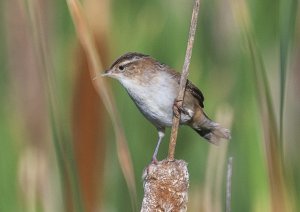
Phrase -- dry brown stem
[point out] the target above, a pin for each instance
(88, 43)
(183, 80)
(166, 183)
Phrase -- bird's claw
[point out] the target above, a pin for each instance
(154, 161)
(178, 108)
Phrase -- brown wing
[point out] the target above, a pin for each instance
(189, 86)
(195, 92)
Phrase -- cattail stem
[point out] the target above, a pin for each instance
(183, 80)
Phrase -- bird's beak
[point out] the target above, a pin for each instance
(106, 73)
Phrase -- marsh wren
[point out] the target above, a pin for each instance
(153, 87)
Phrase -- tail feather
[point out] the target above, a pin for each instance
(212, 131)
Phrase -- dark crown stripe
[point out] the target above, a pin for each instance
(128, 56)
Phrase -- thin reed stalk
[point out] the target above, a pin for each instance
(87, 41)
(273, 151)
(61, 144)
(183, 80)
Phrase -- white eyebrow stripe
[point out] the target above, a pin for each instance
(129, 61)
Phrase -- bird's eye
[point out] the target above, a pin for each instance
(121, 68)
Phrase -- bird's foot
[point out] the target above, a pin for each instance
(178, 108)
(154, 160)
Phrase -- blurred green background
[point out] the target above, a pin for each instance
(58, 149)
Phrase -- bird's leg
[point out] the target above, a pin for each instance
(161, 134)
(178, 107)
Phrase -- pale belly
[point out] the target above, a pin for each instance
(156, 101)
(157, 107)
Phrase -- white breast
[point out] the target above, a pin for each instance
(155, 98)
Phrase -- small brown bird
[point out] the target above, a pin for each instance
(153, 87)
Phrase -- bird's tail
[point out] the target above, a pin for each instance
(211, 131)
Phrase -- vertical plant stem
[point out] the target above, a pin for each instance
(87, 40)
(228, 184)
(183, 80)
(58, 133)
(288, 13)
